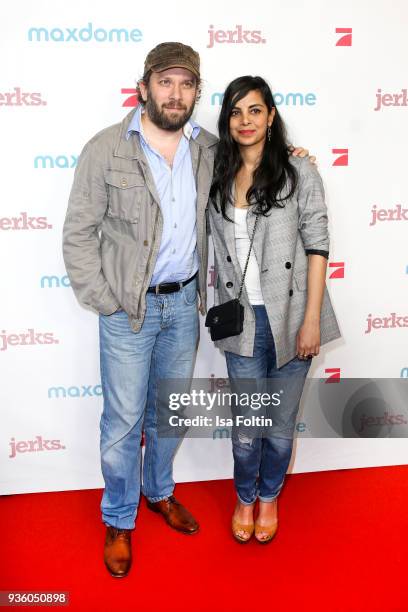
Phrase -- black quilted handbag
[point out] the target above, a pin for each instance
(227, 319)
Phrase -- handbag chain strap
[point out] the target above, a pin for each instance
(247, 259)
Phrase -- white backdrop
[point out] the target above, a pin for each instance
(65, 76)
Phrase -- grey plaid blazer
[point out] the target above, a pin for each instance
(281, 243)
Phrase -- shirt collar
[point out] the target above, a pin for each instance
(190, 130)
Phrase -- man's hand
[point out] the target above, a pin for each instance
(301, 152)
(201, 309)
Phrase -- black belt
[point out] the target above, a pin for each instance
(170, 287)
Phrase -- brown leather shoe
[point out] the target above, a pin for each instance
(175, 514)
(117, 552)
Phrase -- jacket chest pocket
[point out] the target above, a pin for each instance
(127, 193)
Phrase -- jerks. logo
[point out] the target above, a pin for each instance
(335, 375)
(388, 214)
(211, 273)
(26, 339)
(342, 159)
(24, 222)
(34, 446)
(215, 384)
(346, 39)
(390, 322)
(238, 36)
(385, 419)
(338, 272)
(132, 100)
(21, 98)
(388, 99)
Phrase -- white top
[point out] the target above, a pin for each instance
(242, 241)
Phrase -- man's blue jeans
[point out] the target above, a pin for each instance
(260, 464)
(131, 365)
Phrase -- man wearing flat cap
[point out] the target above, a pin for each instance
(135, 251)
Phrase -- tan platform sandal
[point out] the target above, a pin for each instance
(247, 529)
(270, 530)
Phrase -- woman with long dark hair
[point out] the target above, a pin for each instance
(262, 194)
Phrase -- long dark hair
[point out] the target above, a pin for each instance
(274, 171)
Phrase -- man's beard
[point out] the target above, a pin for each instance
(158, 116)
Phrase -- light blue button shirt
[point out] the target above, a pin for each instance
(177, 259)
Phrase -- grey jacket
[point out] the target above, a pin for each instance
(113, 226)
(280, 244)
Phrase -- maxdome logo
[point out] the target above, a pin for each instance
(84, 35)
(51, 281)
(59, 161)
(75, 391)
(292, 98)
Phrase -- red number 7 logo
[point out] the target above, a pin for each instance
(334, 375)
(346, 40)
(131, 100)
(342, 160)
(339, 272)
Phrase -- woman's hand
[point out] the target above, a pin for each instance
(301, 152)
(308, 340)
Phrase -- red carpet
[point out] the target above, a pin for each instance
(341, 546)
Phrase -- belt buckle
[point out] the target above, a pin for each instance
(179, 283)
